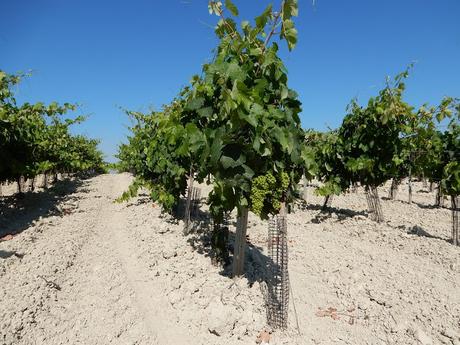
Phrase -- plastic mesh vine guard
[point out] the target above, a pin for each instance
(455, 210)
(219, 238)
(191, 207)
(196, 198)
(374, 205)
(278, 275)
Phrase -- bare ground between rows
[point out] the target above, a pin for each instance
(127, 275)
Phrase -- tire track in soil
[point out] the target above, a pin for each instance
(98, 305)
(159, 316)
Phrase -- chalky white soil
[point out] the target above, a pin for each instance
(81, 269)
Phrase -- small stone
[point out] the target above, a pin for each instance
(422, 337)
(168, 254)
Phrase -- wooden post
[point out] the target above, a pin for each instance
(439, 196)
(240, 242)
(45, 180)
(304, 188)
(454, 203)
(394, 188)
(21, 184)
(410, 185)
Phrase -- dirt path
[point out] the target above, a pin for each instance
(93, 303)
(84, 270)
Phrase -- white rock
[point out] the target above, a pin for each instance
(422, 337)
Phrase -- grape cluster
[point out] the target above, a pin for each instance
(267, 193)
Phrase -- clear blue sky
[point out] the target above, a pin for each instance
(106, 54)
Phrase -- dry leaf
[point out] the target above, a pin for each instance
(263, 337)
(7, 238)
(332, 312)
(322, 313)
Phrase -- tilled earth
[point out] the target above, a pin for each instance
(81, 269)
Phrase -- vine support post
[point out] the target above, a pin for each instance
(410, 185)
(240, 242)
(394, 188)
(21, 184)
(455, 210)
(439, 196)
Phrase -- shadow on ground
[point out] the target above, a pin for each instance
(199, 236)
(419, 231)
(326, 213)
(18, 212)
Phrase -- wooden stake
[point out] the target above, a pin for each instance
(240, 242)
(394, 188)
(304, 188)
(454, 203)
(410, 185)
(439, 196)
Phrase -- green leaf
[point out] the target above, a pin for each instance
(231, 7)
(228, 162)
(262, 20)
(216, 148)
(284, 92)
(267, 152)
(289, 33)
(281, 137)
(195, 103)
(235, 72)
(205, 112)
(290, 9)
